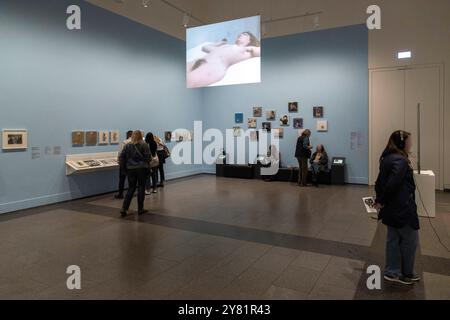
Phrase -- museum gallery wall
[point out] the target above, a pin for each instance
(116, 74)
(320, 77)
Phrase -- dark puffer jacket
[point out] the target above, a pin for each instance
(395, 189)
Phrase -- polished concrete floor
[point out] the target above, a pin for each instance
(215, 238)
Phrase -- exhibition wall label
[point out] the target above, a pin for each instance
(225, 53)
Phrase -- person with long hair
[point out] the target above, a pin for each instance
(152, 178)
(136, 157)
(395, 199)
(122, 171)
(220, 56)
(163, 153)
(303, 153)
(319, 163)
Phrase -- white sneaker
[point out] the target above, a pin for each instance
(155, 191)
(148, 192)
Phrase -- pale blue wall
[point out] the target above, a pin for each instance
(117, 74)
(113, 74)
(325, 68)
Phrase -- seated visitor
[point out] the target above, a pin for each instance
(319, 163)
(271, 160)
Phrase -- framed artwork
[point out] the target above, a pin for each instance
(183, 135)
(78, 138)
(279, 133)
(252, 123)
(103, 137)
(257, 112)
(237, 131)
(115, 137)
(239, 118)
(254, 135)
(91, 138)
(284, 120)
(267, 126)
(298, 123)
(293, 107)
(168, 136)
(14, 139)
(318, 112)
(322, 125)
(270, 115)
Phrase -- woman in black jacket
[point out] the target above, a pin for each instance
(395, 200)
(319, 163)
(135, 158)
(153, 176)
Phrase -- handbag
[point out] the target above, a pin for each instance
(166, 152)
(154, 161)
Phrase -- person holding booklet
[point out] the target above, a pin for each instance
(395, 199)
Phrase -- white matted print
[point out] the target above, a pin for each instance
(103, 137)
(114, 137)
(322, 125)
(15, 139)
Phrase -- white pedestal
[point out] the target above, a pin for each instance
(426, 193)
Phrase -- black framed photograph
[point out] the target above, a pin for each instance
(298, 123)
(293, 107)
(318, 112)
(267, 126)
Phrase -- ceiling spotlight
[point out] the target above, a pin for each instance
(145, 3)
(185, 20)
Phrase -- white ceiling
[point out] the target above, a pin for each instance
(165, 18)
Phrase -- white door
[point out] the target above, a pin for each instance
(422, 85)
(387, 112)
(394, 95)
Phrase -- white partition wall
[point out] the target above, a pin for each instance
(394, 96)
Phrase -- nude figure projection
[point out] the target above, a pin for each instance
(234, 59)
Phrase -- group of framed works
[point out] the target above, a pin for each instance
(93, 138)
(178, 136)
(284, 120)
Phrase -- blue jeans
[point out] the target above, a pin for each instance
(401, 246)
(316, 168)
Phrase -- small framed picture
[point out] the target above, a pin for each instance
(114, 137)
(267, 126)
(284, 120)
(270, 115)
(298, 123)
(103, 137)
(168, 136)
(77, 138)
(254, 135)
(237, 131)
(252, 124)
(257, 112)
(293, 107)
(278, 133)
(15, 139)
(318, 112)
(322, 125)
(91, 138)
(239, 118)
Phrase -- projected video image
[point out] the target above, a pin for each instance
(224, 53)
